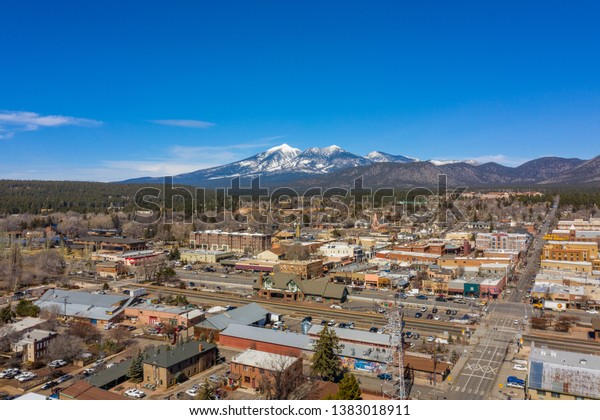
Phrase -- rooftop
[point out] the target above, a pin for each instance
(264, 360)
(166, 356)
(83, 304)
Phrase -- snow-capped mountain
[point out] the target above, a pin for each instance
(448, 162)
(324, 160)
(286, 163)
(386, 157)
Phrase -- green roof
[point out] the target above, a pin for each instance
(166, 356)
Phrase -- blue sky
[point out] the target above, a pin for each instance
(118, 89)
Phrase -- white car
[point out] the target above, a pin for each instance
(520, 368)
(430, 339)
(223, 276)
(25, 376)
(437, 317)
(135, 393)
(57, 363)
(516, 322)
(193, 391)
(592, 311)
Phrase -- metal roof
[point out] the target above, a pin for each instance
(83, 304)
(166, 356)
(348, 334)
(282, 338)
(246, 315)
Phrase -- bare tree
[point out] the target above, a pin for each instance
(8, 336)
(65, 347)
(119, 335)
(280, 379)
(88, 333)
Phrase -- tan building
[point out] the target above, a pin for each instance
(256, 369)
(574, 266)
(168, 366)
(205, 256)
(110, 270)
(34, 345)
(305, 269)
(167, 315)
(570, 251)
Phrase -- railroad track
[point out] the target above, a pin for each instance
(303, 309)
(562, 343)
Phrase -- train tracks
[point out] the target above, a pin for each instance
(307, 309)
(563, 343)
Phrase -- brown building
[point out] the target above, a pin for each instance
(100, 243)
(110, 269)
(290, 287)
(305, 269)
(82, 390)
(230, 241)
(256, 369)
(167, 366)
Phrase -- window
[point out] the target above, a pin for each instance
(555, 395)
(541, 393)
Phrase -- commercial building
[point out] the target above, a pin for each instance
(562, 375)
(290, 287)
(114, 244)
(570, 251)
(230, 241)
(110, 270)
(205, 256)
(167, 315)
(251, 314)
(96, 309)
(306, 269)
(502, 241)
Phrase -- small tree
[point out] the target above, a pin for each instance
(136, 370)
(349, 389)
(105, 286)
(206, 392)
(326, 362)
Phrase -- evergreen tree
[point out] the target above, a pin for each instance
(326, 362)
(105, 286)
(136, 370)
(6, 315)
(26, 308)
(206, 392)
(349, 389)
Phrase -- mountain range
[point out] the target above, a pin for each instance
(334, 166)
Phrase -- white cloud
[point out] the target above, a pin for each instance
(15, 121)
(185, 123)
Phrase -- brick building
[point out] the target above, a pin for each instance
(230, 241)
(255, 369)
(34, 345)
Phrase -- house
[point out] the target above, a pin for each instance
(257, 369)
(110, 269)
(34, 345)
(167, 366)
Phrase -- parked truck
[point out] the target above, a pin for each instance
(555, 306)
(137, 292)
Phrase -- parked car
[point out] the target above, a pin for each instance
(448, 311)
(422, 297)
(49, 385)
(215, 378)
(423, 308)
(57, 363)
(97, 363)
(416, 336)
(9, 373)
(461, 301)
(88, 371)
(429, 316)
(373, 329)
(592, 311)
(192, 392)
(331, 323)
(520, 368)
(384, 376)
(430, 339)
(135, 393)
(516, 322)
(437, 318)
(25, 376)
(418, 315)
(64, 378)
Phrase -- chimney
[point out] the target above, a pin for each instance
(260, 279)
(200, 348)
